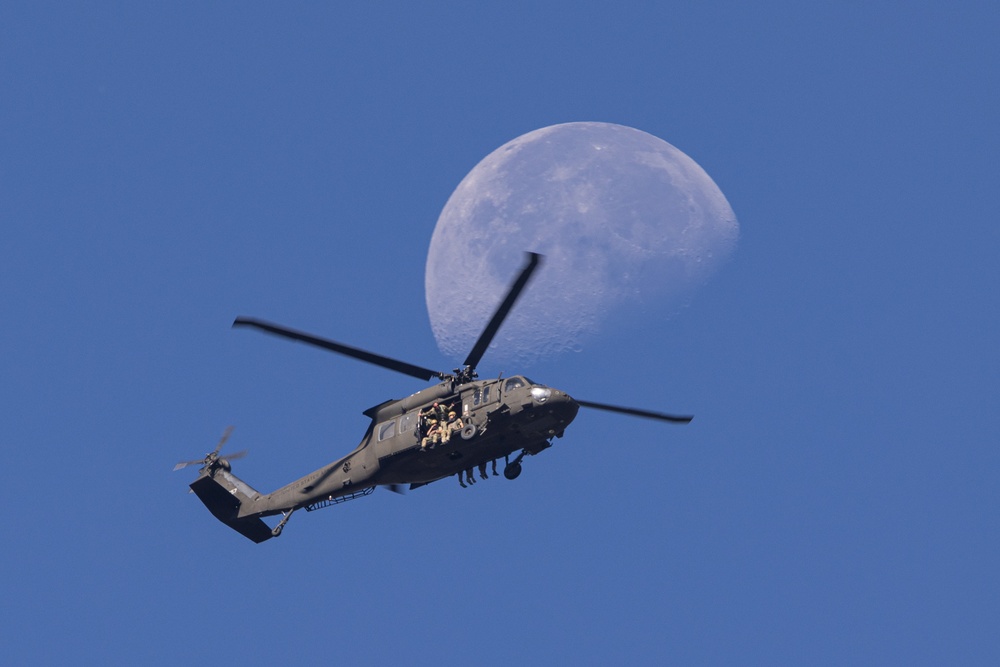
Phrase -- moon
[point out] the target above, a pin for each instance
(625, 220)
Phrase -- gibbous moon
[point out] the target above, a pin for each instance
(626, 222)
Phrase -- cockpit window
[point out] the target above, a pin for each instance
(387, 430)
(513, 383)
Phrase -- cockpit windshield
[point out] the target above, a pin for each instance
(513, 383)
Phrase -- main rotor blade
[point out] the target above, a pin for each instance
(370, 357)
(649, 414)
(485, 338)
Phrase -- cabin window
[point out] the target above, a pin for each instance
(486, 394)
(475, 398)
(407, 422)
(387, 430)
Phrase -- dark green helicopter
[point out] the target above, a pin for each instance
(459, 424)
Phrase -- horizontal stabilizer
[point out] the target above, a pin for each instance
(226, 508)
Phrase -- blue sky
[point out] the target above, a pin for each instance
(165, 168)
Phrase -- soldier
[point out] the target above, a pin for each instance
(495, 468)
(432, 434)
(461, 481)
(469, 477)
(482, 470)
(452, 424)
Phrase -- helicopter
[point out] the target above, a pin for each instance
(451, 428)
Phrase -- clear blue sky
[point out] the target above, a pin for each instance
(164, 168)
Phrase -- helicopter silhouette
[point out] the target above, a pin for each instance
(451, 428)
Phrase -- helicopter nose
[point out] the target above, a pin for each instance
(557, 405)
(569, 407)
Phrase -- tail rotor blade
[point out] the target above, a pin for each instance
(213, 457)
(225, 436)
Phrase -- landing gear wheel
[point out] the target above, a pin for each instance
(512, 471)
(469, 432)
(281, 524)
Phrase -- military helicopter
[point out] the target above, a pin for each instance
(451, 428)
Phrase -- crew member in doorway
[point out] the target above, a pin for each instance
(430, 425)
(433, 435)
(452, 424)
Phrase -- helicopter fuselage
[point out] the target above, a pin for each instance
(494, 419)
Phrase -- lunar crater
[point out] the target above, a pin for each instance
(626, 221)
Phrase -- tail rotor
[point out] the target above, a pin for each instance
(212, 459)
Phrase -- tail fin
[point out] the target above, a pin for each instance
(223, 494)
